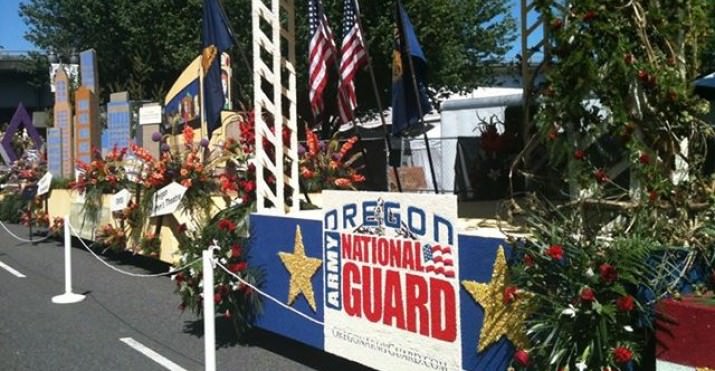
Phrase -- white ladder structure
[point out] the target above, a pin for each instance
(274, 102)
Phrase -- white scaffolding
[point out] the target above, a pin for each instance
(274, 100)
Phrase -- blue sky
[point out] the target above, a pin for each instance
(12, 28)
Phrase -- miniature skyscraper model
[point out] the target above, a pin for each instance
(63, 122)
(54, 152)
(87, 128)
(117, 133)
(88, 70)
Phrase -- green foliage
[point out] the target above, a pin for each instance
(567, 327)
(233, 299)
(11, 207)
(619, 121)
(708, 56)
(60, 183)
(142, 46)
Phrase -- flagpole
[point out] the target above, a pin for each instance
(419, 104)
(376, 93)
(202, 113)
(341, 93)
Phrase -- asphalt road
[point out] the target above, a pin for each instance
(36, 334)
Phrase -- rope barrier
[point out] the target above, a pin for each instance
(268, 296)
(13, 235)
(170, 272)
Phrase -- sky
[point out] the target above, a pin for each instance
(12, 28)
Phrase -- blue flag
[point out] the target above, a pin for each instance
(216, 37)
(406, 119)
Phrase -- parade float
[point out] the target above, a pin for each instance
(583, 279)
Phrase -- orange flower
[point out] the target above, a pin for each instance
(343, 182)
(307, 173)
(357, 178)
(312, 141)
(184, 172)
(347, 146)
(188, 135)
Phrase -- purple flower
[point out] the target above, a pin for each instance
(301, 150)
(321, 145)
(204, 143)
(165, 147)
(156, 136)
(336, 156)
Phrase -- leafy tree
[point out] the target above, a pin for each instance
(144, 45)
(708, 56)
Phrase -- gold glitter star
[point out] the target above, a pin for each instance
(301, 269)
(499, 318)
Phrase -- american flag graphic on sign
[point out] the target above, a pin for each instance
(438, 259)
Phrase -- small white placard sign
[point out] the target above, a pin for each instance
(120, 200)
(150, 114)
(167, 199)
(43, 185)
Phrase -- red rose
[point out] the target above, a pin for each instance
(249, 186)
(522, 357)
(556, 24)
(509, 294)
(226, 225)
(587, 295)
(556, 252)
(600, 175)
(608, 273)
(625, 303)
(589, 16)
(622, 354)
(652, 196)
(528, 260)
(644, 159)
(643, 75)
(579, 154)
(235, 251)
(217, 298)
(237, 267)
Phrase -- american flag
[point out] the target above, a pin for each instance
(438, 260)
(321, 54)
(353, 57)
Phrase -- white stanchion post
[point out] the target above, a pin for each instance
(68, 297)
(209, 311)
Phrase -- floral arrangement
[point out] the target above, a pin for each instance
(150, 245)
(57, 228)
(111, 237)
(98, 177)
(188, 168)
(233, 299)
(616, 242)
(588, 295)
(329, 165)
